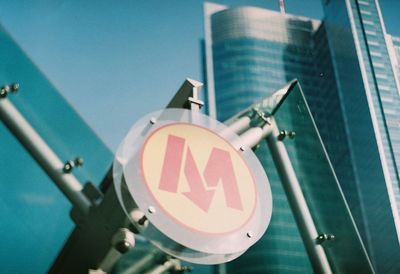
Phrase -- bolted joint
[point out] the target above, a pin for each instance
(78, 162)
(151, 209)
(142, 221)
(197, 102)
(4, 90)
(256, 147)
(69, 165)
(14, 87)
(123, 240)
(262, 118)
(183, 269)
(325, 237)
(3, 93)
(284, 133)
(123, 246)
(153, 120)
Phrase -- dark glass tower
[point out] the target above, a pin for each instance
(250, 53)
(394, 52)
(370, 104)
(345, 66)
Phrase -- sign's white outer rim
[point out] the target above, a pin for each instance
(127, 166)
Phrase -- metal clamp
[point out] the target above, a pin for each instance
(197, 102)
(262, 116)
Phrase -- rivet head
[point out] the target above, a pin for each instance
(3, 93)
(151, 210)
(153, 120)
(249, 234)
(242, 148)
(15, 87)
(282, 135)
(123, 246)
(7, 88)
(78, 161)
(67, 167)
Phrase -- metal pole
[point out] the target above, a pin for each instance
(240, 125)
(43, 154)
(297, 202)
(254, 135)
(141, 264)
(167, 265)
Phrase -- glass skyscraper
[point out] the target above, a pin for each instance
(370, 104)
(243, 44)
(394, 51)
(347, 72)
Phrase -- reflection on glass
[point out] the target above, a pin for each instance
(320, 186)
(35, 215)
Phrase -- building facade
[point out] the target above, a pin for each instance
(345, 66)
(243, 46)
(394, 52)
(370, 105)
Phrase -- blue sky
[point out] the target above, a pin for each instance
(115, 61)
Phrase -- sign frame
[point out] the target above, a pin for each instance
(162, 230)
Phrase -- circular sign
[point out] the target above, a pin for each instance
(200, 180)
(204, 193)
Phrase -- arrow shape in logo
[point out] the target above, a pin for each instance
(219, 170)
(198, 194)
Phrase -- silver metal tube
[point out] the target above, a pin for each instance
(109, 260)
(141, 264)
(43, 154)
(253, 136)
(166, 266)
(297, 202)
(123, 235)
(240, 125)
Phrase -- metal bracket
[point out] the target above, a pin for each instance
(195, 101)
(187, 96)
(262, 116)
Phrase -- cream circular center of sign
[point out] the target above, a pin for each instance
(198, 178)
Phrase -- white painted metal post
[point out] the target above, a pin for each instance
(253, 136)
(297, 202)
(165, 267)
(141, 264)
(240, 125)
(43, 154)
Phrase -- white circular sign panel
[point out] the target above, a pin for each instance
(207, 201)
